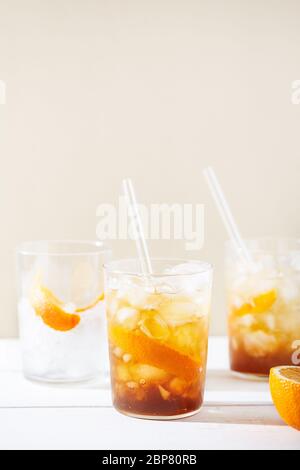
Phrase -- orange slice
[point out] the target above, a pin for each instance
(285, 391)
(260, 304)
(150, 351)
(49, 308)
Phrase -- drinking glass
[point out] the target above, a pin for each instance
(264, 306)
(158, 336)
(60, 309)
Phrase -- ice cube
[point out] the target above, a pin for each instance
(290, 290)
(185, 268)
(178, 311)
(148, 373)
(155, 327)
(113, 306)
(137, 297)
(268, 263)
(177, 386)
(269, 321)
(259, 344)
(191, 277)
(128, 317)
(164, 288)
(295, 261)
(239, 281)
(118, 352)
(246, 321)
(127, 358)
(123, 373)
(113, 283)
(237, 302)
(132, 385)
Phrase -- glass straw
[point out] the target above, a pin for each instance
(139, 235)
(227, 215)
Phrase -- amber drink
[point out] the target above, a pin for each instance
(158, 335)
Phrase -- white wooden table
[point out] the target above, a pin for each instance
(237, 414)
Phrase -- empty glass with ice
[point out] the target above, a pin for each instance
(158, 335)
(61, 310)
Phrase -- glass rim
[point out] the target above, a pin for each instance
(204, 267)
(31, 248)
(229, 244)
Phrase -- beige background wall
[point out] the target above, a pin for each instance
(154, 89)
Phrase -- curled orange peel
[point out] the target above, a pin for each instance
(152, 352)
(50, 309)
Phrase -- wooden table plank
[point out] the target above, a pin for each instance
(95, 428)
(238, 414)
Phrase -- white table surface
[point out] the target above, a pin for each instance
(237, 414)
